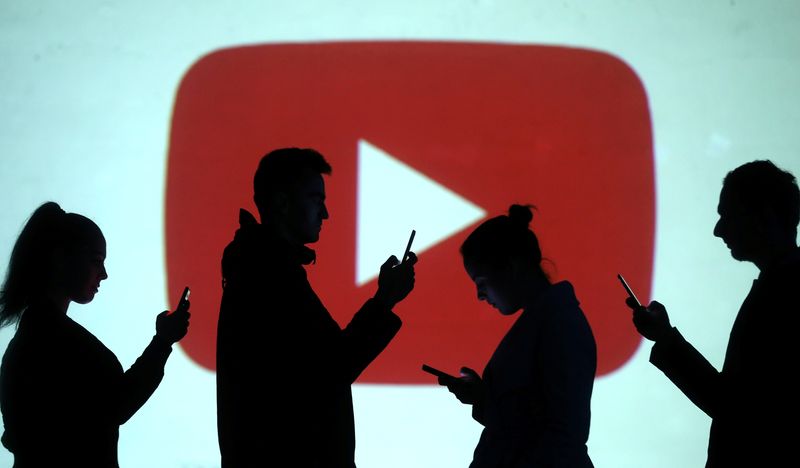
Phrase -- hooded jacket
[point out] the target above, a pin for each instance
(284, 365)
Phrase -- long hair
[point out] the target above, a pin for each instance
(30, 268)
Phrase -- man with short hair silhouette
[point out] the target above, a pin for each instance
(284, 366)
(754, 401)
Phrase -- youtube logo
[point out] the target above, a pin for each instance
(431, 136)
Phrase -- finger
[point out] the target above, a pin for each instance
(637, 321)
(411, 259)
(183, 319)
(641, 321)
(448, 381)
(631, 302)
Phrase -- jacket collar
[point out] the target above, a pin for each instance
(251, 230)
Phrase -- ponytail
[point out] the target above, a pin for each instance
(30, 261)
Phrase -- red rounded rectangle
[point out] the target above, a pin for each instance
(565, 129)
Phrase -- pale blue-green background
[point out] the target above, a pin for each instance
(86, 91)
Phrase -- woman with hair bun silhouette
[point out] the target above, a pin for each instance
(534, 396)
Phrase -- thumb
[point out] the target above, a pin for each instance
(631, 302)
(162, 314)
(466, 371)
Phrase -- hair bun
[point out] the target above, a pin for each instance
(51, 209)
(520, 215)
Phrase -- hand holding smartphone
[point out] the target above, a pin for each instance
(629, 290)
(171, 326)
(183, 304)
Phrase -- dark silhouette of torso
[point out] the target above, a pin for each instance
(536, 410)
(64, 394)
(284, 366)
(753, 401)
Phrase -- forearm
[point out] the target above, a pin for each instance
(689, 371)
(366, 336)
(140, 381)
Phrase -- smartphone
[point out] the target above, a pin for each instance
(408, 246)
(628, 289)
(437, 372)
(183, 304)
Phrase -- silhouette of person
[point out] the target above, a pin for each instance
(63, 394)
(284, 366)
(534, 397)
(753, 402)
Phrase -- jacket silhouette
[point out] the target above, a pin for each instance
(753, 401)
(538, 386)
(64, 394)
(284, 365)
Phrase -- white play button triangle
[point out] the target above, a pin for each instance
(392, 200)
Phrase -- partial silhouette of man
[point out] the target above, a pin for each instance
(284, 366)
(753, 401)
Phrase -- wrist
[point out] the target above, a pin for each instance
(666, 335)
(163, 341)
(383, 301)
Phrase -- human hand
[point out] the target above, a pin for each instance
(652, 322)
(468, 388)
(396, 280)
(171, 327)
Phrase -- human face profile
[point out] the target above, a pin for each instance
(86, 271)
(307, 209)
(737, 227)
(495, 286)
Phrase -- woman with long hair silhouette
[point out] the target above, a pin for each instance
(64, 394)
